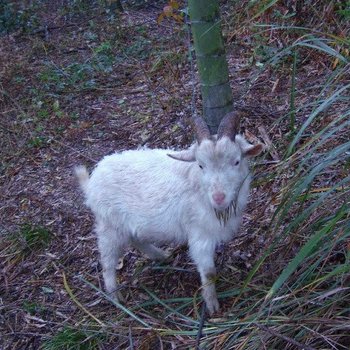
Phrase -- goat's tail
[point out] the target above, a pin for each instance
(83, 176)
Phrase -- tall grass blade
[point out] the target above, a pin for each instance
(320, 45)
(326, 103)
(114, 302)
(263, 9)
(165, 305)
(292, 94)
(303, 253)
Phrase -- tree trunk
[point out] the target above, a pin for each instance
(211, 61)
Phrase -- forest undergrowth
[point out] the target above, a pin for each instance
(79, 80)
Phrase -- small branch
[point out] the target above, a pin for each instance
(5, 128)
(45, 29)
(76, 301)
(268, 143)
(75, 150)
(200, 327)
(131, 341)
(284, 337)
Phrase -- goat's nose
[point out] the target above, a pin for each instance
(219, 197)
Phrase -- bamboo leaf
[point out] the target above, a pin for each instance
(333, 98)
(322, 46)
(303, 253)
(263, 9)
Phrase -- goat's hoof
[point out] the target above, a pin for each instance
(116, 296)
(210, 298)
(212, 306)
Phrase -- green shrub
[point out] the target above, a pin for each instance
(14, 17)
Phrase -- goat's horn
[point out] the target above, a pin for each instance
(229, 125)
(201, 129)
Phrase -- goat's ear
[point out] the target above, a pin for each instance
(187, 155)
(253, 150)
(249, 150)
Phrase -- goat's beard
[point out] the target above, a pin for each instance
(224, 215)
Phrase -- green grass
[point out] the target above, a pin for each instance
(70, 338)
(74, 76)
(33, 308)
(22, 244)
(29, 238)
(14, 16)
(34, 237)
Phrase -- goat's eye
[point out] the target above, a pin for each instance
(201, 166)
(237, 162)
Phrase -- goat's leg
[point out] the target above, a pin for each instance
(202, 254)
(110, 248)
(150, 250)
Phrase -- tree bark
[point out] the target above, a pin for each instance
(211, 61)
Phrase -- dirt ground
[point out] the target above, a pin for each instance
(133, 87)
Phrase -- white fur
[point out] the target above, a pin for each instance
(144, 196)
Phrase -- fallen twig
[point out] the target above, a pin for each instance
(200, 327)
(284, 337)
(70, 293)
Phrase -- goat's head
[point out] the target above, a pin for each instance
(222, 159)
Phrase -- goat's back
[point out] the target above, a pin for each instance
(138, 181)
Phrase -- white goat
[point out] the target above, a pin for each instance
(196, 196)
